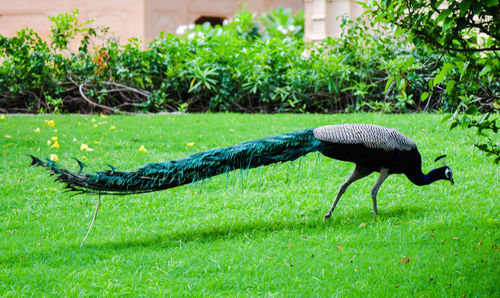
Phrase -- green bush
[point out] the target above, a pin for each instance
(465, 34)
(248, 65)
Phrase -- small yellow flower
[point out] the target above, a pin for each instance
(95, 142)
(49, 142)
(74, 139)
(3, 117)
(8, 137)
(142, 149)
(51, 123)
(54, 157)
(55, 130)
(85, 147)
(93, 119)
(37, 130)
(55, 146)
(191, 144)
(112, 127)
(95, 125)
(103, 116)
(54, 139)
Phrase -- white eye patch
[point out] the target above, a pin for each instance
(447, 172)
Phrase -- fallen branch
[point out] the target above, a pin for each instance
(128, 88)
(80, 88)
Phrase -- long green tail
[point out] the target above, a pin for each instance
(198, 166)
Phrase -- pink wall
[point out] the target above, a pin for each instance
(126, 18)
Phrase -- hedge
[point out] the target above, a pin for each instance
(249, 64)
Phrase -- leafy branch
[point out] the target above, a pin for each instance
(468, 30)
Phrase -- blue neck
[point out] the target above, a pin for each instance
(419, 178)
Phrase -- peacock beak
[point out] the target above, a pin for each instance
(451, 181)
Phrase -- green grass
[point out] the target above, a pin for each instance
(257, 232)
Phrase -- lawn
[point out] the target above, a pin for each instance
(255, 232)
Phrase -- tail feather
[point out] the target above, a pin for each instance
(198, 166)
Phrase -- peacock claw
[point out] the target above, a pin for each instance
(327, 216)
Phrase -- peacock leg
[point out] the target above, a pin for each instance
(384, 173)
(358, 173)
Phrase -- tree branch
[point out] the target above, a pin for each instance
(80, 88)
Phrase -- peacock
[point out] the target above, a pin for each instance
(371, 148)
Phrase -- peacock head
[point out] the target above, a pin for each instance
(445, 171)
(448, 174)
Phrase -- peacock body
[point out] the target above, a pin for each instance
(372, 148)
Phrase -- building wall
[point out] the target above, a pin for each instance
(147, 18)
(322, 17)
(126, 18)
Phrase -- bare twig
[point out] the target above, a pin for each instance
(113, 90)
(93, 219)
(20, 110)
(129, 104)
(124, 96)
(428, 102)
(91, 102)
(128, 88)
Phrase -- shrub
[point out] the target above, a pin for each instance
(248, 65)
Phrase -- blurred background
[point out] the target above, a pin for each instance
(146, 19)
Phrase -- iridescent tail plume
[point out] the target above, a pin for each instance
(158, 176)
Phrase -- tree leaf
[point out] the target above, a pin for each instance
(492, 3)
(443, 15)
(446, 117)
(431, 85)
(389, 81)
(438, 78)
(444, 71)
(471, 110)
(485, 70)
(192, 83)
(448, 24)
(449, 86)
(463, 69)
(409, 62)
(424, 96)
